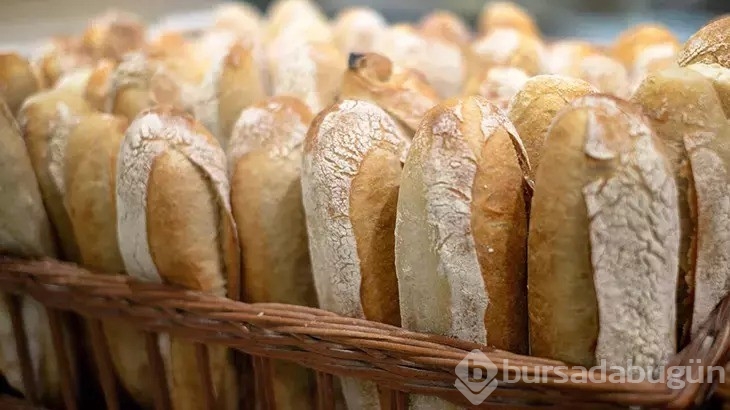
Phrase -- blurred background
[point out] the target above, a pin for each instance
(24, 22)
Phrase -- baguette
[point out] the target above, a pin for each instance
(461, 230)
(682, 104)
(356, 29)
(24, 231)
(402, 93)
(265, 158)
(533, 108)
(512, 48)
(443, 63)
(90, 172)
(350, 177)
(504, 14)
(708, 45)
(18, 80)
(231, 85)
(175, 225)
(45, 119)
(603, 240)
(497, 84)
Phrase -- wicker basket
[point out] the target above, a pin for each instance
(405, 362)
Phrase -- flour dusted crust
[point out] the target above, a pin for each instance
(505, 14)
(708, 45)
(350, 178)
(563, 57)
(44, 121)
(403, 93)
(18, 80)
(497, 84)
(356, 29)
(510, 47)
(456, 227)
(265, 160)
(175, 225)
(534, 107)
(720, 77)
(604, 240)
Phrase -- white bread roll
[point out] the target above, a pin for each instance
(175, 226)
(350, 179)
(90, 198)
(461, 230)
(265, 159)
(533, 108)
(24, 231)
(232, 84)
(603, 241)
(45, 119)
(402, 93)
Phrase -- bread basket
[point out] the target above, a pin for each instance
(403, 361)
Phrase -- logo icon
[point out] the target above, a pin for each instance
(476, 377)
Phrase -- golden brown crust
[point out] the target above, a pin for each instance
(497, 84)
(720, 77)
(710, 44)
(403, 93)
(97, 87)
(632, 42)
(62, 56)
(533, 108)
(509, 47)
(18, 80)
(112, 35)
(503, 14)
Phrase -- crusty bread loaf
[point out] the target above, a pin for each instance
(356, 29)
(562, 57)
(296, 20)
(24, 231)
(112, 35)
(442, 62)
(310, 71)
(175, 225)
(720, 77)
(710, 44)
(61, 56)
(45, 119)
(231, 85)
(497, 84)
(504, 14)
(97, 86)
(241, 18)
(509, 47)
(445, 25)
(606, 74)
(651, 40)
(461, 232)
(265, 159)
(603, 241)
(90, 179)
(402, 93)
(533, 108)
(681, 104)
(18, 80)
(350, 179)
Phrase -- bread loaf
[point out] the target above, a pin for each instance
(231, 85)
(444, 25)
(18, 80)
(112, 35)
(603, 240)
(296, 20)
(708, 45)
(240, 18)
(681, 104)
(97, 86)
(606, 74)
(442, 62)
(175, 226)
(24, 231)
(497, 84)
(90, 178)
(356, 29)
(563, 57)
(510, 47)
(504, 14)
(45, 119)
(720, 77)
(402, 93)
(265, 159)
(653, 41)
(350, 179)
(533, 108)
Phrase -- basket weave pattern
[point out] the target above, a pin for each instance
(404, 361)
